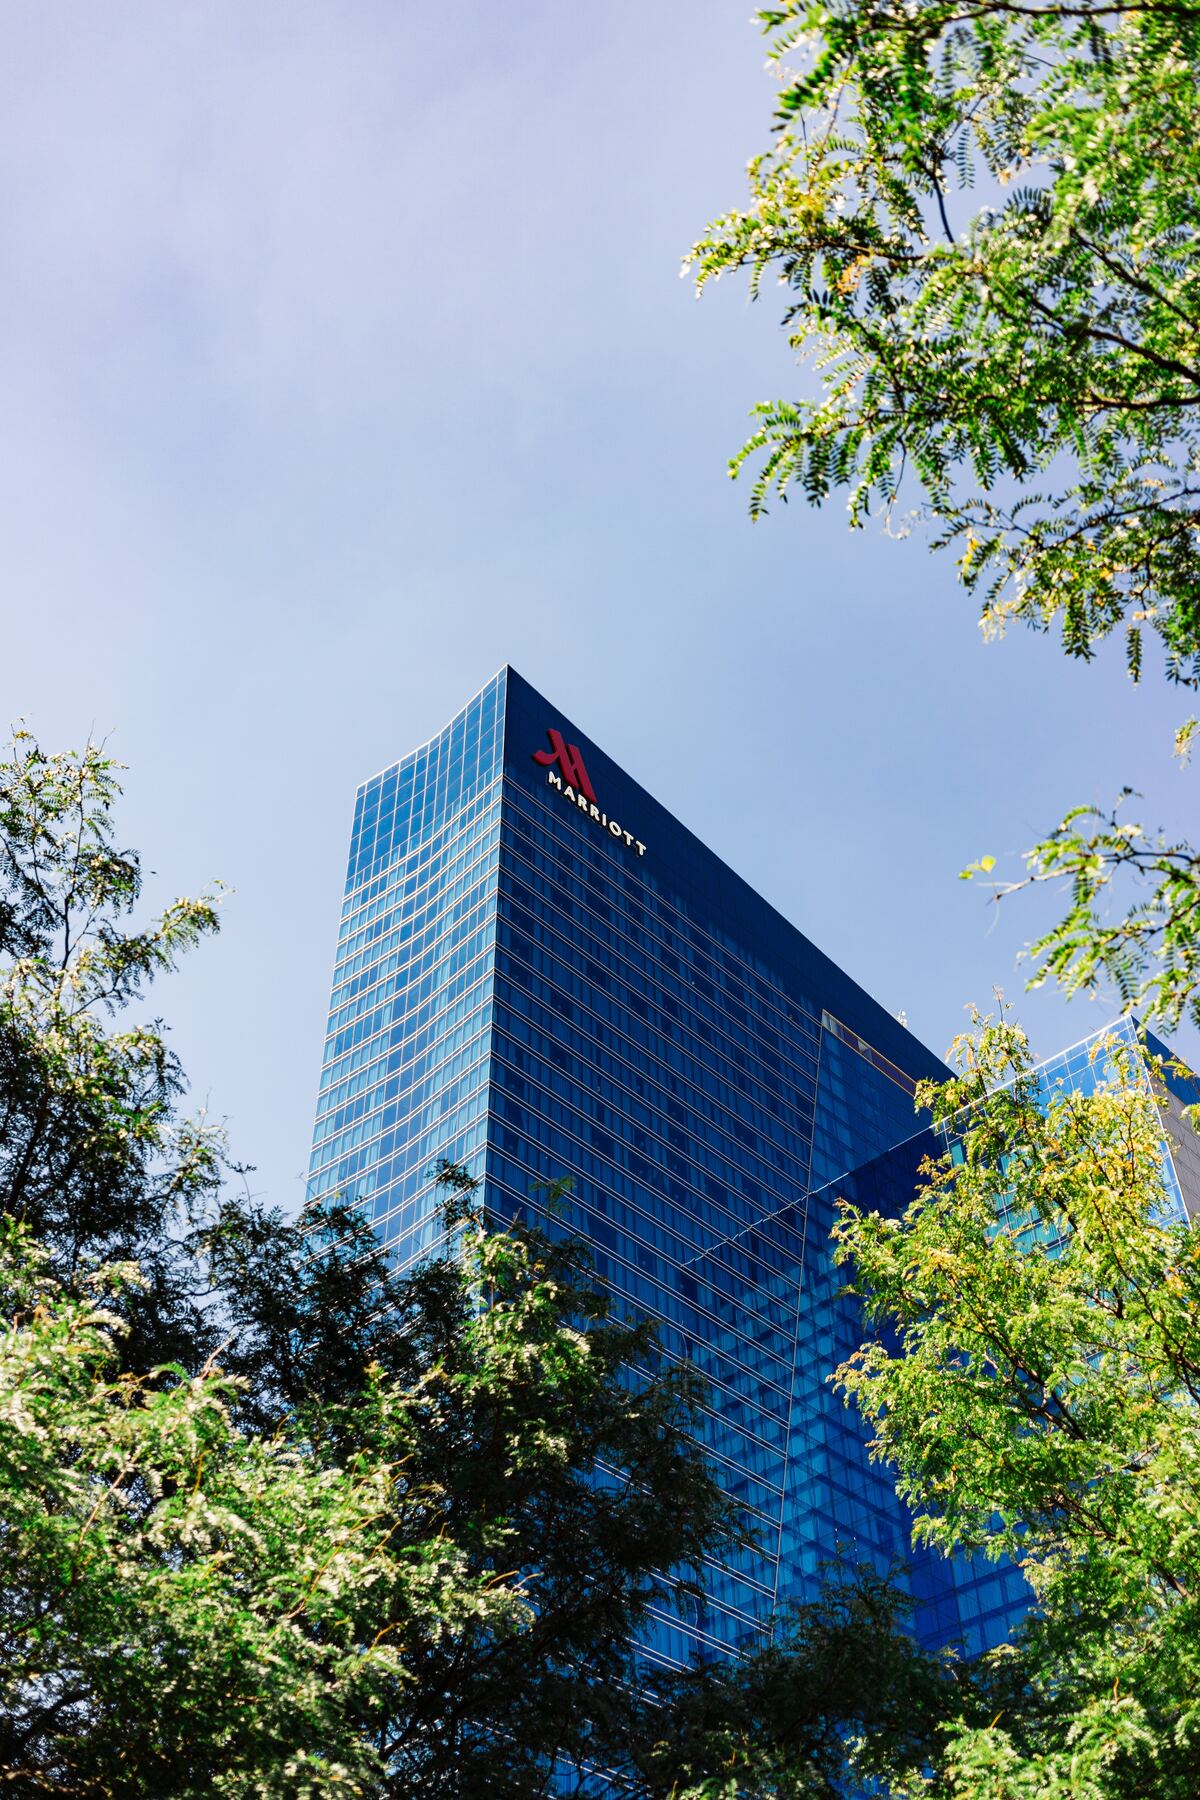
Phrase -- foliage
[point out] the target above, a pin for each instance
(1031, 354)
(94, 1156)
(561, 1447)
(188, 1611)
(1150, 955)
(842, 1694)
(985, 215)
(1044, 1406)
(422, 1584)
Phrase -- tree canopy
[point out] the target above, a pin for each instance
(985, 215)
(187, 1609)
(1034, 1378)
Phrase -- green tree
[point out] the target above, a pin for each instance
(1034, 1378)
(1046, 332)
(562, 1453)
(432, 1585)
(95, 1157)
(842, 1695)
(985, 216)
(187, 1610)
(1132, 923)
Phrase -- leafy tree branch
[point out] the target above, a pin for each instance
(1048, 338)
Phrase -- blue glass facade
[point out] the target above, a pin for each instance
(408, 1050)
(541, 974)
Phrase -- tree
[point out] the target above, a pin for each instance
(985, 214)
(1044, 1407)
(188, 1610)
(559, 1450)
(94, 1156)
(1148, 954)
(841, 1696)
(431, 1584)
(1048, 335)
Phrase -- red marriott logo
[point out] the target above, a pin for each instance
(569, 758)
(565, 771)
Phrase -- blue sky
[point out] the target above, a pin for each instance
(345, 358)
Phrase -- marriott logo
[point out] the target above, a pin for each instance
(565, 771)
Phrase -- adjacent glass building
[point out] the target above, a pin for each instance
(992, 1598)
(542, 974)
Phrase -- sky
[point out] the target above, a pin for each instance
(346, 357)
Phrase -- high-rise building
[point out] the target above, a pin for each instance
(542, 974)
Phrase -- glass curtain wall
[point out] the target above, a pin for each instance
(542, 974)
(407, 1057)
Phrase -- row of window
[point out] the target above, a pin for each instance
(412, 935)
(432, 778)
(692, 1090)
(419, 1146)
(620, 966)
(444, 1015)
(411, 1065)
(436, 950)
(697, 917)
(722, 993)
(519, 1164)
(396, 1118)
(555, 985)
(469, 855)
(621, 1202)
(442, 1020)
(365, 898)
(403, 1175)
(620, 1126)
(365, 1066)
(523, 1014)
(448, 1032)
(422, 1036)
(641, 913)
(432, 788)
(437, 987)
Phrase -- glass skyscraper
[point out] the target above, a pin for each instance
(542, 974)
